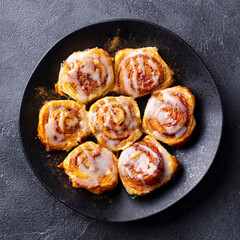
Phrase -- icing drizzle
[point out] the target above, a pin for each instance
(114, 119)
(96, 72)
(136, 164)
(133, 87)
(170, 113)
(94, 162)
(139, 162)
(64, 123)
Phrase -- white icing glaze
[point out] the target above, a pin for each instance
(141, 164)
(167, 97)
(51, 133)
(158, 135)
(156, 110)
(107, 123)
(89, 68)
(93, 117)
(162, 117)
(84, 62)
(131, 157)
(152, 107)
(127, 83)
(51, 127)
(110, 142)
(91, 182)
(145, 166)
(141, 67)
(108, 69)
(168, 171)
(72, 78)
(79, 56)
(141, 64)
(100, 166)
(109, 110)
(181, 132)
(153, 64)
(134, 77)
(61, 121)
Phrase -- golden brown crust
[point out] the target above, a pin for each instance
(91, 166)
(62, 124)
(169, 115)
(139, 72)
(115, 122)
(86, 75)
(145, 166)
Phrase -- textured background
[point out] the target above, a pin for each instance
(28, 29)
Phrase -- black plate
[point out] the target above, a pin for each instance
(195, 157)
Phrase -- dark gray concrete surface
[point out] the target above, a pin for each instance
(28, 29)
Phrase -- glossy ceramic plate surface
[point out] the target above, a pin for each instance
(195, 157)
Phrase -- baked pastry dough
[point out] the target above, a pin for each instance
(115, 122)
(86, 75)
(62, 124)
(169, 115)
(145, 166)
(139, 72)
(91, 166)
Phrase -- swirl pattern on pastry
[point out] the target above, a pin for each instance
(62, 124)
(169, 115)
(139, 72)
(145, 166)
(91, 166)
(115, 122)
(86, 75)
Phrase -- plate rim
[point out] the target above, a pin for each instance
(95, 24)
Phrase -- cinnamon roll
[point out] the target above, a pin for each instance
(169, 115)
(62, 124)
(86, 75)
(139, 72)
(115, 122)
(91, 166)
(145, 166)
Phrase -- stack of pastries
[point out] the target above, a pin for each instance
(115, 121)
